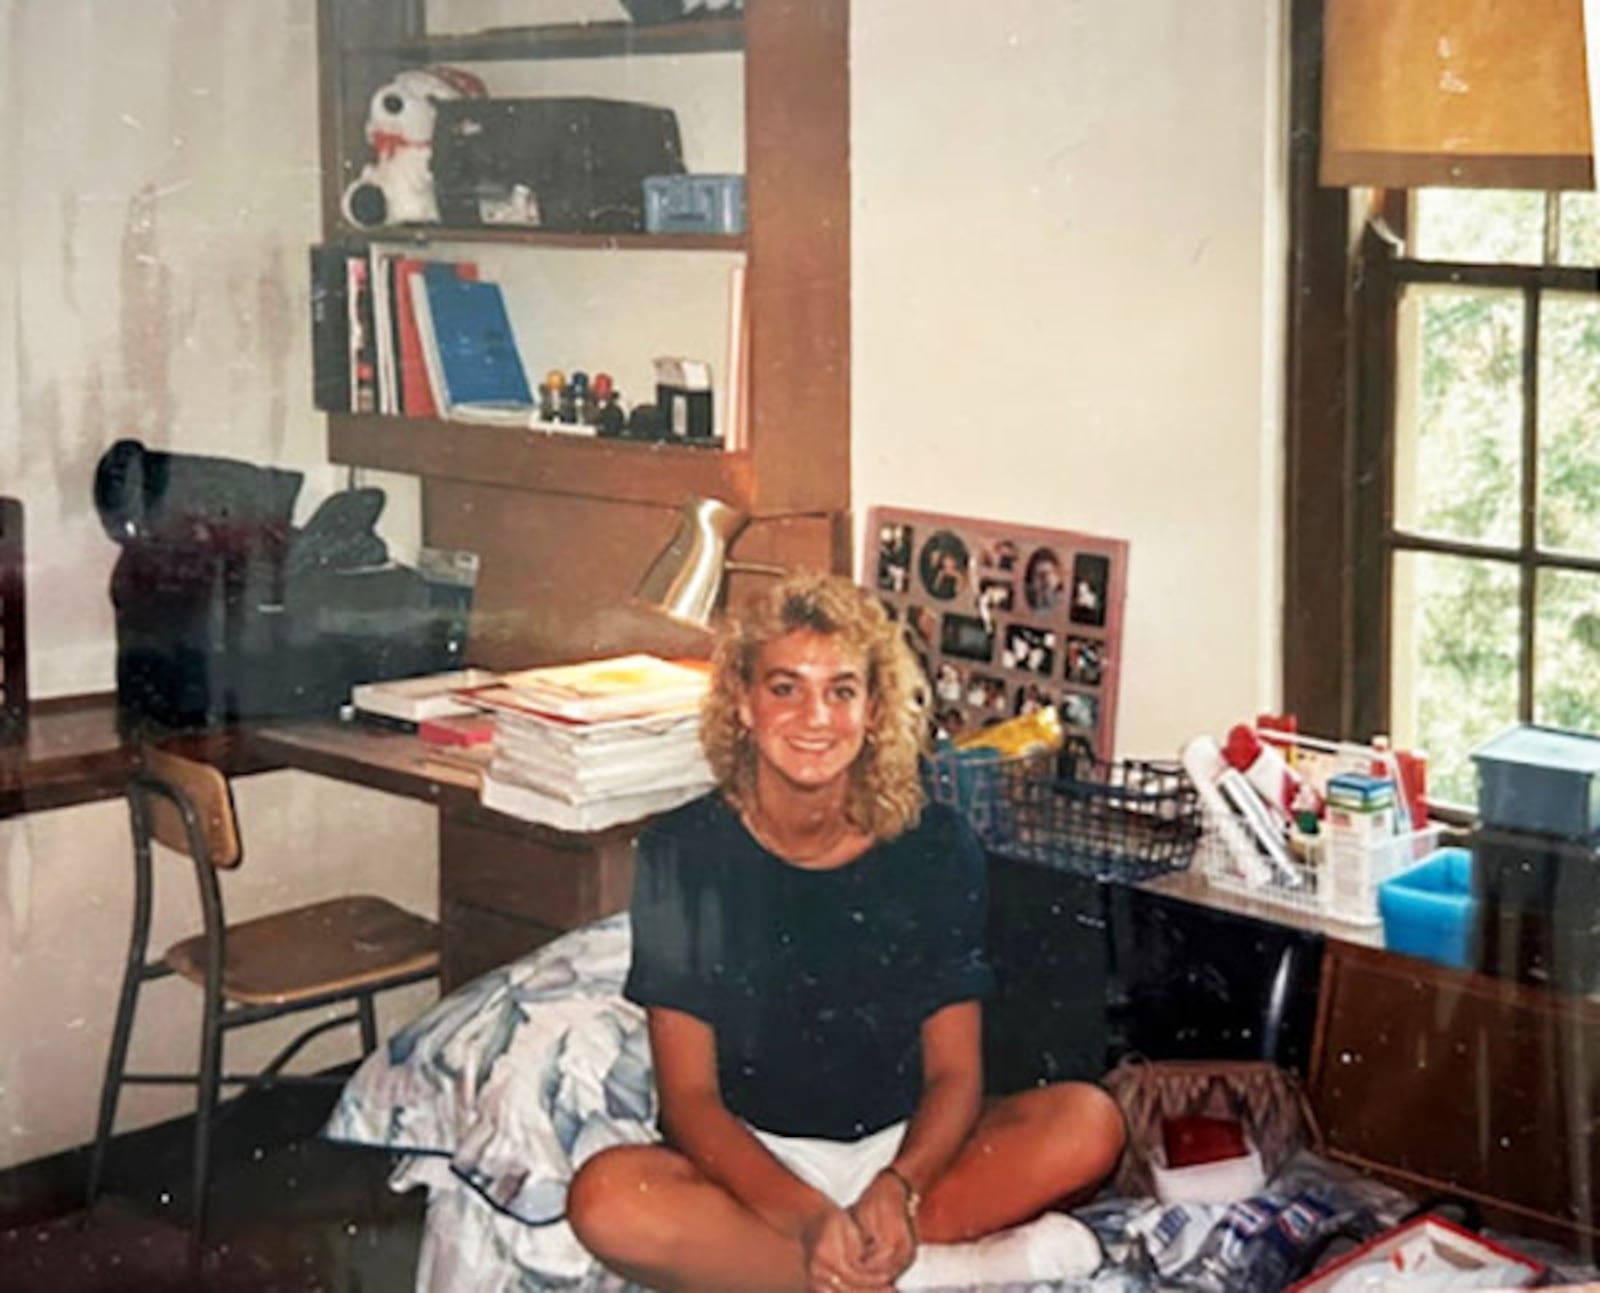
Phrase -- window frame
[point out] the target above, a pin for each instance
(1346, 281)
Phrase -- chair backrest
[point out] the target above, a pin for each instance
(13, 622)
(207, 793)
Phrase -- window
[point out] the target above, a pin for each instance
(1477, 477)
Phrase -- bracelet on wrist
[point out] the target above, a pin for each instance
(913, 1197)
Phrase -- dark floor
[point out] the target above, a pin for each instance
(298, 1216)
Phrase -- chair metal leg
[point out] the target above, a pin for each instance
(369, 1023)
(204, 1114)
(111, 1088)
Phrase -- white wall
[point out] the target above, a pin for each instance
(1066, 310)
(160, 189)
(64, 915)
(161, 192)
(1066, 283)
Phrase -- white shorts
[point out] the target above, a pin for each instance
(840, 1169)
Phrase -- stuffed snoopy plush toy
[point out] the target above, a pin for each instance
(396, 187)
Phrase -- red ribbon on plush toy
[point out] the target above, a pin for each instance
(386, 143)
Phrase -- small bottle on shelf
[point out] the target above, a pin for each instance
(579, 403)
(567, 410)
(550, 395)
(609, 418)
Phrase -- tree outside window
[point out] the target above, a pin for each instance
(1491, 541)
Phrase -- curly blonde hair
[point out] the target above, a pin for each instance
(885, 792)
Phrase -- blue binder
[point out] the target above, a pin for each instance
(477, 350)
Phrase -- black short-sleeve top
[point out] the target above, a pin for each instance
(815, 982)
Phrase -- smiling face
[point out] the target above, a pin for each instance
(807, 709)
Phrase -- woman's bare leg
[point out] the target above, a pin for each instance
(1027, 1152)
(649, 1215)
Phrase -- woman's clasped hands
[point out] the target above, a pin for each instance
(866, 1246)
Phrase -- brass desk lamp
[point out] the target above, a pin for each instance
(685, 582)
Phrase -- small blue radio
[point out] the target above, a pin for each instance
(694, 204)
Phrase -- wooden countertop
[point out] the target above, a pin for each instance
(74, 751)
(367, 755)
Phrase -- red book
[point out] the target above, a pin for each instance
(363, 354)
(416, 395)
(462, 729)
(1195, 1140)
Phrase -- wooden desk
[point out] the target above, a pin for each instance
(505, 885)
(367, 755)
(1449, 1081)
(73, 751)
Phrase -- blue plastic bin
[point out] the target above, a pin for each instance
(1542, 779)
(1429, 909)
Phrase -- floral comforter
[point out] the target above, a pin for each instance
(497, 1094)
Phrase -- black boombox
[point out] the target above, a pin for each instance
(225, 610)
(569, 165)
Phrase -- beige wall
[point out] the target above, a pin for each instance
(1066, 310)
(159, 195)
(64, 913)
(1067, 292)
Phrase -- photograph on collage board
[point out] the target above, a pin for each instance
(1004, 618)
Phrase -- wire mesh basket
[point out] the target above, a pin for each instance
(1120, 819)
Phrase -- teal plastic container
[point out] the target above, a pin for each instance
(1429, 909)
(1543, 779)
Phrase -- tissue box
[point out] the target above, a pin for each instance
(1221, 1181)
(1430, 1252)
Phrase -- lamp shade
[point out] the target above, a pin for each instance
(1478, 93)
(685, 581)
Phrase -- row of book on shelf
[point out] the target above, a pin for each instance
(401, 334)
(580, 747)
(397, 333)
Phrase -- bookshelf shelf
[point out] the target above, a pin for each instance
(549, 462)
(577, 40)
(421, 235)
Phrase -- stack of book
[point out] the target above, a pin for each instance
(586, 746)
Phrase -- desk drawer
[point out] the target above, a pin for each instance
(556, 878)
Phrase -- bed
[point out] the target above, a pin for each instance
(499, 1092)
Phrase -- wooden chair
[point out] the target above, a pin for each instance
(345, 949)
(13, 624)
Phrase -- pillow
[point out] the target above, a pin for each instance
(517, 1077)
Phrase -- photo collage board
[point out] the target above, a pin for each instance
(1004, 618)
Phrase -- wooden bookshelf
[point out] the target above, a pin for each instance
(549, 462)
(576, 40)
(530, 501)
(422, 235)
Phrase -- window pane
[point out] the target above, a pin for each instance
(1569, 423)
(1580, 229)
(1566, 650)
(1453, 663)
(1481, 225)
(1458, 415)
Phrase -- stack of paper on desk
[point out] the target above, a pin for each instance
(414, 700)
(629, 686)
(583, 747)
(523, 801)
